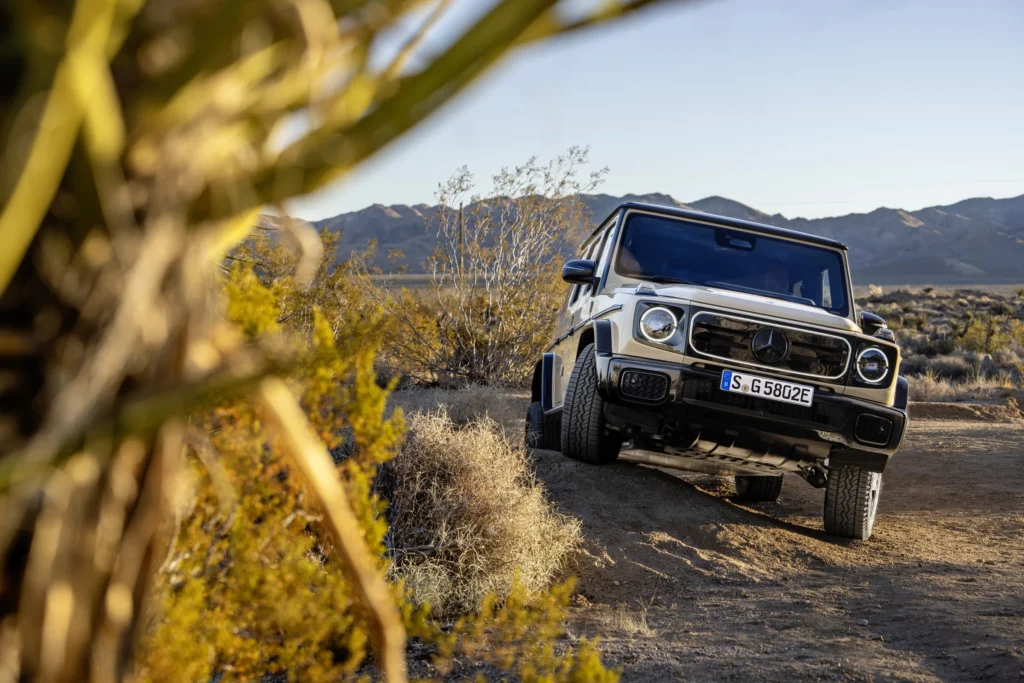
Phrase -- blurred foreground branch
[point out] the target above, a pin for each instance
(140, 140)
(313, 460)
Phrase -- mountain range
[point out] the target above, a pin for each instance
(978, 240)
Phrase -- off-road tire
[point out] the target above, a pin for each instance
(851, 502)
(758, 489)
(584, 436)
(542, 431)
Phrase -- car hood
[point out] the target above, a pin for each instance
(742, 302)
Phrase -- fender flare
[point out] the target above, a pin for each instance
(540, 390)
(603, 353)
(603, 337)
(543, 372)
(902, 393)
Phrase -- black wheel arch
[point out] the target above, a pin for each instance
(540, 386)
(537, 382)
(902, 393)
(598, 333)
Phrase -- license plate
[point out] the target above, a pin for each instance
(765, 387)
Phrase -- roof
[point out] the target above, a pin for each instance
(725, 221)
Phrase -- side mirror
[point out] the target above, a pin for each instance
(579, 271)
(871, 323)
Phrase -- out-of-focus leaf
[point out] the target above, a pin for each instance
(97, 98)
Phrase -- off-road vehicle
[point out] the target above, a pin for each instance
(726, 347)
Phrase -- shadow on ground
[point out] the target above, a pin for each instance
(679, 582)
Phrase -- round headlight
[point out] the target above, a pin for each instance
(872, 365)
(658, 324)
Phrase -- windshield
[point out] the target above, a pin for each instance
(665, 250)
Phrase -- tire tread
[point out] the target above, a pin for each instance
(848, 502)
(542, 431)
(583, 434)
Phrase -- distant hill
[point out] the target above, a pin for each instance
(977, 240)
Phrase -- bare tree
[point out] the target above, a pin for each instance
(494, 273)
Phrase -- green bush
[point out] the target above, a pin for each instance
(987, 333)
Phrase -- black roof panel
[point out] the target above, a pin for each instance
(676, 212)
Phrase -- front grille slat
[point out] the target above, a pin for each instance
(811, 353)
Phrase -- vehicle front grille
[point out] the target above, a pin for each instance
(643, 386)
(809, 353)
(821, 415)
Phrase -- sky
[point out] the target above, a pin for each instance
(802, 107)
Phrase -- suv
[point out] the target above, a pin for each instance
(726, 347)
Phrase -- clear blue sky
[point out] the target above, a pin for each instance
(804, 107)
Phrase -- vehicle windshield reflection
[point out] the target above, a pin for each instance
(664, 250)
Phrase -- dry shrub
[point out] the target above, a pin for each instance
(252, 586)
(952, 367)
(632, 623)
(468, 518)
(494, 290)
(931, 387)
(472, 404)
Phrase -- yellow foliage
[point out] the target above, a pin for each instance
(519, 635)
(988, 334)
(251, 306)
(251, 588)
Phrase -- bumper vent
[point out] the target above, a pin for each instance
(872, 429)
(640, 385)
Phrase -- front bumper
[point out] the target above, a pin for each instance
(696, 417)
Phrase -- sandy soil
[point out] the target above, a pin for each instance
(681, 583)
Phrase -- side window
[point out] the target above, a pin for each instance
(596, 254)
(607, 245)
(597, 251)
(593, 253)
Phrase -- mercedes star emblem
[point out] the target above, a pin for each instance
(769, 345)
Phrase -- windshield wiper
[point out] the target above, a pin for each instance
(668, 280)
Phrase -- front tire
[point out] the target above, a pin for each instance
(584, 436)
(542, 431)
(758, 489)
(851, 502)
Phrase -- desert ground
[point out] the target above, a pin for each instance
(680, 583)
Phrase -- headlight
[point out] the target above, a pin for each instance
(658, 324)
(872, 365)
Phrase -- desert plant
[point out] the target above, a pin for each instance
(474, 403)
(140, 142)
(494, 274)
(468, 519)
(251, 584)
(984, 333)
(272, 254)
(932, 387)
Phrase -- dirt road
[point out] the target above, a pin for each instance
(680, 583)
